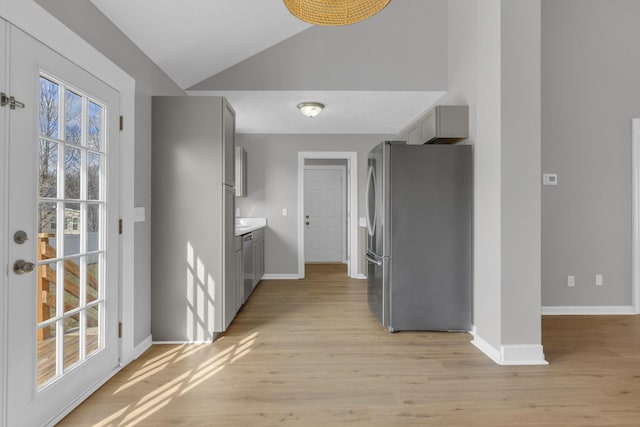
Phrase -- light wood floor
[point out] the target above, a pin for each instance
(309, 353)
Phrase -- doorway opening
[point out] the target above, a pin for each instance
(348, 160)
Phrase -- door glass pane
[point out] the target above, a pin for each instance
(72, 117)
(49, 106)
(93, 278)
(72, 284)
(71, 229)
(93, 227)
(71, 341)
(93, 330)
(94, 125)
(72, 160)
(46, 354)
(48, 172)
(93, 176)
(47, 220)
(47, 291)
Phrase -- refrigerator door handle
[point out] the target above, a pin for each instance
(373, 261)
(371, 181)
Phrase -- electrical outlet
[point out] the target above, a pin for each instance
(599, 280)
(571, 281)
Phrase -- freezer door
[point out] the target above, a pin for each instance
(377, 287)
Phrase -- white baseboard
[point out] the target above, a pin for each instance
(486, 348)
(508, 355)
(361, 276)
(589, 310)
(522, 354)
(280, 277)
(142, 347)
(181, 342)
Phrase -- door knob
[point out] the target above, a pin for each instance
(307, 222)
(21, 267)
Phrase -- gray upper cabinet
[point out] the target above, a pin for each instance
(413, 135)
(229, 143)
(192, 248)
(241, 172)
(445, 124)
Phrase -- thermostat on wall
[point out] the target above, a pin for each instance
(550, 178)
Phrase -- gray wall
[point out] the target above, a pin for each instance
(88, 22)
(272, 163)
(590, 93)
(402, 48)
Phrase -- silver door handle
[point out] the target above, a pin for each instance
(21, 267)
(373, 261)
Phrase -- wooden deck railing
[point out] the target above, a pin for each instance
(47, 277)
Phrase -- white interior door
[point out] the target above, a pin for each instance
(63, 193)
(325, 214)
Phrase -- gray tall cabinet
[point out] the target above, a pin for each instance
(193, 294)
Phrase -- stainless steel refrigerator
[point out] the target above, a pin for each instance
(419, 245)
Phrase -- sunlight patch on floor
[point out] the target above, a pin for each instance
(183, 383)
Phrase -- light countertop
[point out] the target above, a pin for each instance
(247, 225)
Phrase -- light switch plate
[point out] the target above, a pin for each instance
(599, 280)
(139, 214)
(550, 179)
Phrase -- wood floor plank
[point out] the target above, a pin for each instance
(309, 353)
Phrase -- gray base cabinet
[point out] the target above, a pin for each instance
(193, 294)
(239, 280)
(258, 256)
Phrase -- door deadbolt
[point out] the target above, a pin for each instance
(20, 237)
(21, 267)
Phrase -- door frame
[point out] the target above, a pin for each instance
(344, 232)
(635, 247)
(352, 206)
(41, 25)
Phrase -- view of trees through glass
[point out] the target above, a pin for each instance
(71, 209)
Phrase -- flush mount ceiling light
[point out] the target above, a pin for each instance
(310, 109)
(334, 12)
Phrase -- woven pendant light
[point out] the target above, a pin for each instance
(334, 12)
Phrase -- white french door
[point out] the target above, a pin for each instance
(63, 209)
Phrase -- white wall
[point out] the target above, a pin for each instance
(272, 164)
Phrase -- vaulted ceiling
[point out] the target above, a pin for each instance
(375, 76)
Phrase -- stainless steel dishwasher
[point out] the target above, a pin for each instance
(247, 254)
